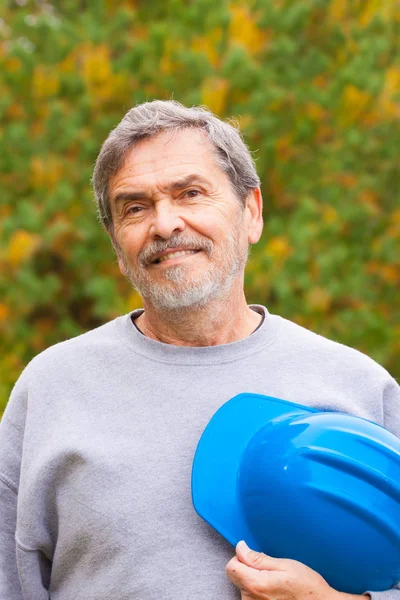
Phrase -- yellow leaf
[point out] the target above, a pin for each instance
(396, 216)
(68, 65)
(245, 121)
(45, 82)
(214, 94)
(243, 29)
(319, 299)
(354, 102)
(21, 247)
(394, 227)
(207, 45)
(96, 65)
(168, 62)
(134, 301)
(45, 172)
(329, 215)
(278, 247)
(390, 109)
(355, 98)
(392, 81)
(389, 104)
(338, 10)
(376, 244)
(385, 9)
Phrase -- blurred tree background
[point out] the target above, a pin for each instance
(315, 85)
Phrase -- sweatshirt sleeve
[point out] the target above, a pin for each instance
(391, 406)
(10, 586)
(11, 440)
(391, 413)
(393, 594)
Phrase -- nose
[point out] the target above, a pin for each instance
(166, 220)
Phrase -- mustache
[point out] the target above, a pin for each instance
(184, 242)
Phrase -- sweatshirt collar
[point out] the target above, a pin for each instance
(162, 352)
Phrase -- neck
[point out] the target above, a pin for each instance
(219, 322)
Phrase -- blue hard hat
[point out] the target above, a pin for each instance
(322, 488)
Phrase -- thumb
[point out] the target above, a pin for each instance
(256, 560)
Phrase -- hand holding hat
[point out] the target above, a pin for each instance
(261, 577)
(319, 488)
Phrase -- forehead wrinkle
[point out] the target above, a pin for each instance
(160, 181)
(141, 171)
(155, 171)
(158, 143)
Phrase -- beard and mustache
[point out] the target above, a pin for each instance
(179, 287)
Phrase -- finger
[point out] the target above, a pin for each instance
(257, 560)
(244, 577)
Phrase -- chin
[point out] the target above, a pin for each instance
(193, 295)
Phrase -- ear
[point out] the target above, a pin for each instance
(254, 206)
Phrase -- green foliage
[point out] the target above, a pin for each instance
(317, 86)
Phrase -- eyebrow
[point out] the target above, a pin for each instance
(175, 186)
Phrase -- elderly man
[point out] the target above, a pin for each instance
(97, 441)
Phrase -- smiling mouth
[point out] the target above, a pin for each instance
(171, 255)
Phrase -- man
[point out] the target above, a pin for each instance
(97, 441)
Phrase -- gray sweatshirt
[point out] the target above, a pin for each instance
(96, 450)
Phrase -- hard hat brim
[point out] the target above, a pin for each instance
(218, 456)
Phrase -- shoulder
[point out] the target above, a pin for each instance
(78, 352)
(64, 366)
(315, 349)
(356, 382)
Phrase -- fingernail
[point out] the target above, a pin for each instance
(243, 546)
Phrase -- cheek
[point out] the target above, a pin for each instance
(130, 241)
(127, 255)
(208, 222)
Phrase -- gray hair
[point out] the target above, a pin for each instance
(150, 118)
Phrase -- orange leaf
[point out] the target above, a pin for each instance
(4, 312)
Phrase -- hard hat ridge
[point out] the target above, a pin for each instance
(293, 482)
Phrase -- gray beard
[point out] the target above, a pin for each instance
(179, 292)
(182, 294)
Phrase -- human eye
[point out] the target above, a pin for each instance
(133, 209)
(192, 193)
